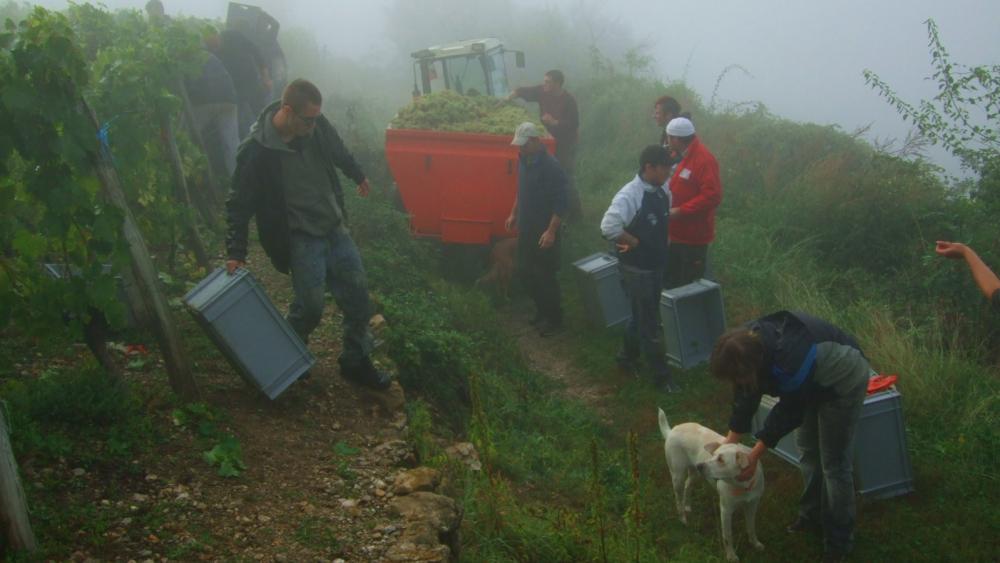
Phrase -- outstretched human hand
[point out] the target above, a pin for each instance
(950, 249)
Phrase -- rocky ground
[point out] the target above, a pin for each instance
(329, 475)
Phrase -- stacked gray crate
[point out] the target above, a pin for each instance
(881, 462)
(601, 285)
(126, 293)
(244, 324)
(693, 318)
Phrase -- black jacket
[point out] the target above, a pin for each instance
(789, 372)
(649, 226)
(257, 190)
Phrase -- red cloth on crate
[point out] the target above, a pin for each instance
(881, 382)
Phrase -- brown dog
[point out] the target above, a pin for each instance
(501, 271)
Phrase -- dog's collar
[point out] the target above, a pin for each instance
(737, 491)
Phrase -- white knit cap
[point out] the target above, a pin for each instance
(524, 132)
(680, 127)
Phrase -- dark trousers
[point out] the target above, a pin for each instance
(566, 155)
(685, 263)
(538, 267)
(331, 263)
(644, 333)
(826, 442)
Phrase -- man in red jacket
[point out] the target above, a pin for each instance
(696, 191)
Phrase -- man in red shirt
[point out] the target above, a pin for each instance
(558, 112)
(696, 191)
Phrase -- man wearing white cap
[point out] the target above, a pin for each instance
(538, 211)
(696, 191)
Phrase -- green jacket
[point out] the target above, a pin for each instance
(257, 189)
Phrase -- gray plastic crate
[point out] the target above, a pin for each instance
(250, 332)
(693, 318)
(601, 285)
(881, 462)
(133, 318)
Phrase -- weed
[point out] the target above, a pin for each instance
(228, 455)
(313, 532)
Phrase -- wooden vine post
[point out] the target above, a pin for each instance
(213, 186)
(16, 527)
(182, 194)
(145, 275)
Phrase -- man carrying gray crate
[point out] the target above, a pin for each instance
(636, 222)
(820, 376)
(285, 177)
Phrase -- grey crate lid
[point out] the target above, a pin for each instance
(693, 288)
(58, 271)
(212, 287)
(596, 262)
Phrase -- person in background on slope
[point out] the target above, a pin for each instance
(558, 112)
(665, 109)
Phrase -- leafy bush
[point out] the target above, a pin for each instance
(83, 414)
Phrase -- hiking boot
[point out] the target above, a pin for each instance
(803, 524)
(366, 375)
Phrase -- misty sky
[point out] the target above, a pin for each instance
(805, 57)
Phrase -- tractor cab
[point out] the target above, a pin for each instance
(476, 67)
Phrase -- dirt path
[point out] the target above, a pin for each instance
(549, 356)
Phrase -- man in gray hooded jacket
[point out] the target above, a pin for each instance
(285, 176)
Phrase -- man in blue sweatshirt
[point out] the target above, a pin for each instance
(538, 211)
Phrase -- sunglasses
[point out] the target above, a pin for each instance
(307, 120)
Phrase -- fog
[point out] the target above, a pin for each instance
(803, 60)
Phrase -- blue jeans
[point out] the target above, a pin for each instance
(644, 333)
(826, 443)
(331, 263)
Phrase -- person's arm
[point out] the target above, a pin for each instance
(987, 281)
(709, 191)
(618, 216)
(745, 405)
(344, 160)
(239, 208)
(526, 93)
(754, 456)
(548, 237)
(560, 204)
(512, 218)
(564, 126)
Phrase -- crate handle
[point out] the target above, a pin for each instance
(427, 162)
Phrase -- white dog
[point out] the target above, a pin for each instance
(693, 448)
